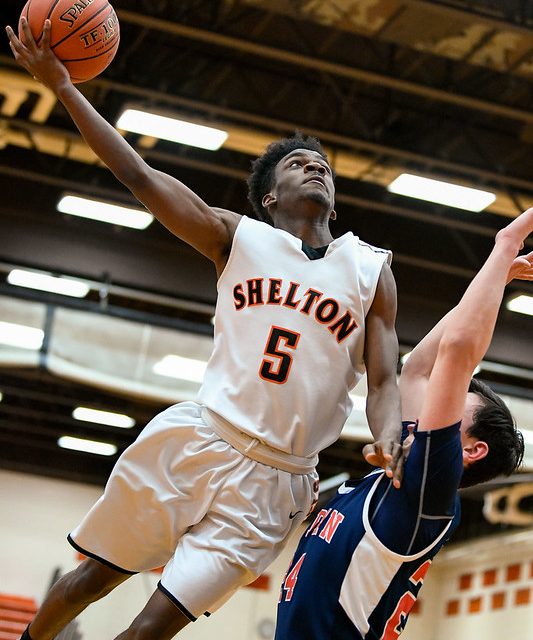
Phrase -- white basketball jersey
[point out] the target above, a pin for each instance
(289, 336)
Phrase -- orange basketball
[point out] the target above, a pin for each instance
(84, 34)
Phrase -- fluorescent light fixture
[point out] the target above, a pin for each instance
(103, 417)
(167, 128)
(182, 368)
(88, 446)
(521, 304)
(104, 211)
(47, 282)
(528, 436)
(446, 193)
(334, 481)
(19, 335)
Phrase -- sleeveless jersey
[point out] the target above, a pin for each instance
(355, 576)
(289, 336)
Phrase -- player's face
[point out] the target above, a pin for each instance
(304, 174)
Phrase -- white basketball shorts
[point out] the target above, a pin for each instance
(181, 496)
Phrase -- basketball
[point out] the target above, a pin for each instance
(84, 34)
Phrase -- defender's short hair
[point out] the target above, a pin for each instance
(493, 424)
(261, 178)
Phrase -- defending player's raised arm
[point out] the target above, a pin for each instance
(177, 207)
(417, 370)
(381, 360)
(468, 329)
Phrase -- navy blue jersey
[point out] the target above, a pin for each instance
(359, 566)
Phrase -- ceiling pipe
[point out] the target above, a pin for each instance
(316, 64)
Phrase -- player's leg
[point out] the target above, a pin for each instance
(71, 594)
(159, 619)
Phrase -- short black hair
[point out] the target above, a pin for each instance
(493, 424)
(261, 178)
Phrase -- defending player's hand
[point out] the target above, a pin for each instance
(522, 268)
(38, 60)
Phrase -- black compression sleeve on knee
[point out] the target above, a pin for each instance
(26, 634)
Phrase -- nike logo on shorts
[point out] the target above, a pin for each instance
(293, 515)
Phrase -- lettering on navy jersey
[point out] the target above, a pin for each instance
(327, 311)
(330, 519)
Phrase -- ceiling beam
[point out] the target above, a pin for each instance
(317, 64)
(462, 12)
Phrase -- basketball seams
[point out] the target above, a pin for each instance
(50, 11)
(102, 53)
(94, 15)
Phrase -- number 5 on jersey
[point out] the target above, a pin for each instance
(276, 368)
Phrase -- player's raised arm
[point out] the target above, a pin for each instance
(417, 370)
(464, 339)
(177, 207)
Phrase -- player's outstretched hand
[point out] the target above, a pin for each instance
(38, 60)
(522, 268)
(389, 455)
(517, 230)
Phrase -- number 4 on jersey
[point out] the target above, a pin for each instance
(290, 580)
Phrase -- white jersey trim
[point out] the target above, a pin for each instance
(371, 570)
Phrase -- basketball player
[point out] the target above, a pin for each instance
(360, 565)
(212, 489)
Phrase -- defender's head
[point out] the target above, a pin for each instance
(262, 179)
(496, 444)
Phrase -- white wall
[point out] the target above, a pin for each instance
(36, 514)
(458, 579)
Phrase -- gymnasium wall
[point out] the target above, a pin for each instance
(482, 589)
(475, 590)
(36, 514)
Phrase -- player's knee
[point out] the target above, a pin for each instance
(90, 581)
(147, 627)
(140, 629)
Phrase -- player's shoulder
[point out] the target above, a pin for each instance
(229, 219)
(372, 252)
(366, 246)
(226, 214)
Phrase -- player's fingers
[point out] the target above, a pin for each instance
(387, 449)
(398, 472)
(374, 456)
(14, 42)
(29, 40)
(393, 469)
(17, 47)
(369, 453)
(45, 42)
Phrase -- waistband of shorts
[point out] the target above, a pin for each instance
(255, 449)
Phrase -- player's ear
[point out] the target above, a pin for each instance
(268, 200)
(476, 450)
(333, 215)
